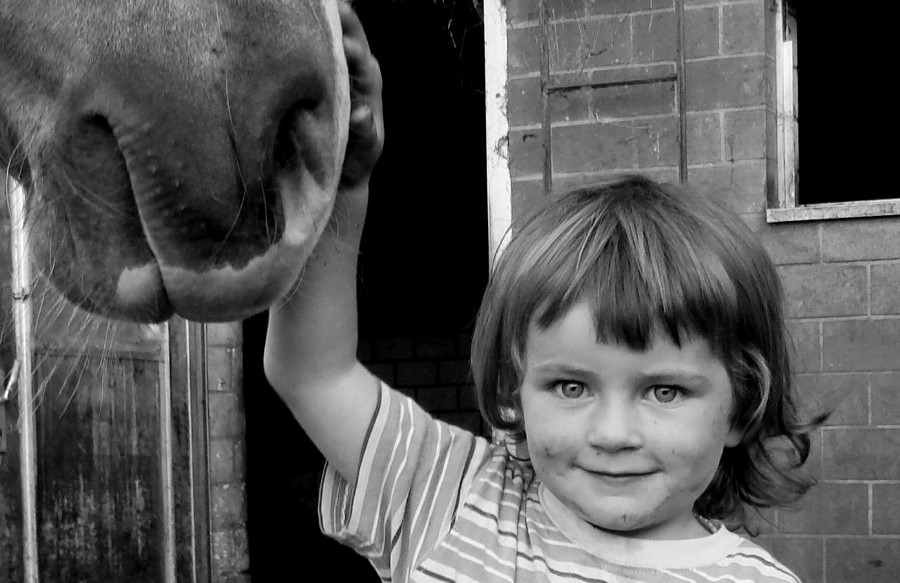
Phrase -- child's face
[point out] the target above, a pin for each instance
(626, 440)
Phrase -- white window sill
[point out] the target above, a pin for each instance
(839, 210)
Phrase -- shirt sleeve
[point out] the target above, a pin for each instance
(412, 471)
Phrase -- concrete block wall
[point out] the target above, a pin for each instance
(227, 467)
(842, 277)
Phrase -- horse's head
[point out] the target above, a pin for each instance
(179, 155)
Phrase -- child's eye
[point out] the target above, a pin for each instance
(569, 389)
(666, 394)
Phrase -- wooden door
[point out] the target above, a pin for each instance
(120, 420)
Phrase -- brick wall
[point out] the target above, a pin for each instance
(842, 277)
(227, 469)
(432, 369)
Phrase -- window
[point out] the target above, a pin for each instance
(845, 161)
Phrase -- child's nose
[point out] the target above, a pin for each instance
(614, 426)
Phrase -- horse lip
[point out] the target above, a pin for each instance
(226, 294)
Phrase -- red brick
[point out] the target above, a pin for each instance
(654, 37)
(224, 334)
(743, 28)
(805, 337)
(742, 187)
(226, 415)
(436, 347)
(861, 239)
(863, 345)
(453, 372)
(228, 505)
(219, 361)
(386, 371)
(523, 51)
(470, 421)
(416, 374)
(848, 511)
(520, 11)
(594, 147)
(861, 454)
(657, 142)
(389, 348)
(885, 389)
(221, 460)
(364, 350)
(613, 102)
(524, 101)
(230, 554)
(886, 508)
(701, 32)
(825, 290)
(786, 243)
(725, 83)
(590, 43)
(438, 398)
(527, 10)
(886, 288)
(525, 194)
(745, 134)
(846, 395)
(862, 559)
(468, 401)
(803, 555)
(526, 153)
(704, 138)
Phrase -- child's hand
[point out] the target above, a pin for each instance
(366, 137)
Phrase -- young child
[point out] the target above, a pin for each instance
(631, 350)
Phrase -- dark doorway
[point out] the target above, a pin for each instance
(423, 265)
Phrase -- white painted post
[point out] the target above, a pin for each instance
(21, 293)
(499, 189)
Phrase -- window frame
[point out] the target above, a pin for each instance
(782, 205)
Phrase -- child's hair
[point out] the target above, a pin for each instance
(650, 257)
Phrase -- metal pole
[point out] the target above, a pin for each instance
(21, 283)
(680, 49)
(166, 455)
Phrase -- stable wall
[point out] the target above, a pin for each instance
(842, 277)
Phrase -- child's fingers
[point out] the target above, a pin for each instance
(358, 57)
(351, 26)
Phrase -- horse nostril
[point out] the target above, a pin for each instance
(90, 133)
(288, 148)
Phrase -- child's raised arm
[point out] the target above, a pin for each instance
(310, 354)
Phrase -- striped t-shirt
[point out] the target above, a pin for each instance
(434, 503)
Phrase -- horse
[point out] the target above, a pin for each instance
(178, 156)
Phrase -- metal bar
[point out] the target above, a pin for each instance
(198, 416)
(21, 280)
(166, 482)
(545, 97)
(682, 93)
(605, 84)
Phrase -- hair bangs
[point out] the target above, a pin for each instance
(642, 274)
